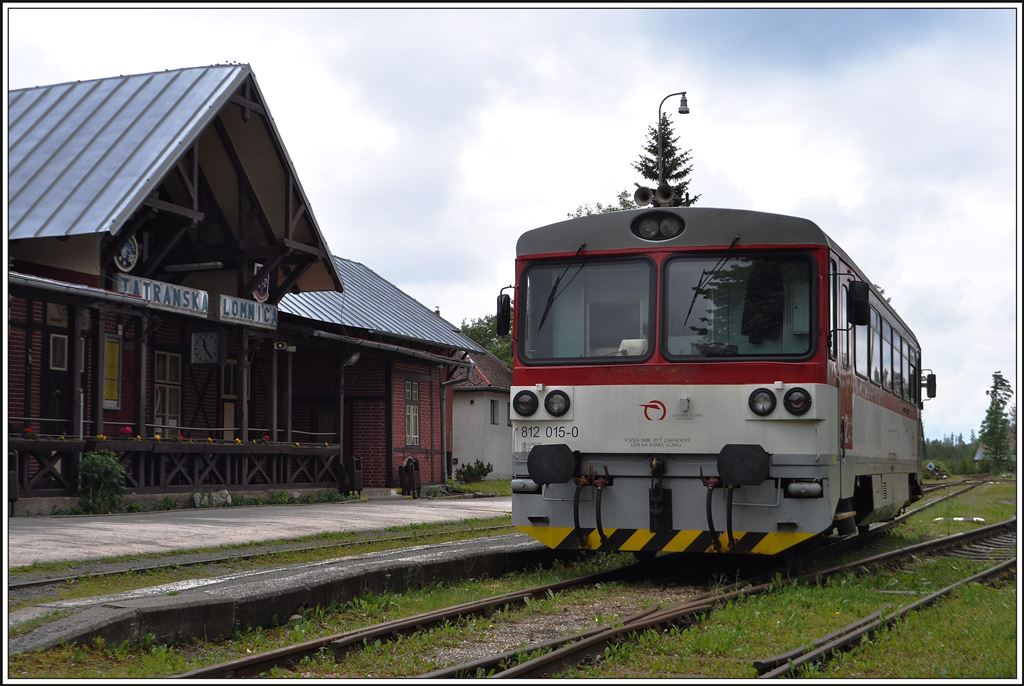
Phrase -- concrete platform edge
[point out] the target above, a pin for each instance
(200, 615)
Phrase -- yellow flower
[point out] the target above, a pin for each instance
(138, 437)
(209, 439)
(238, 441)
(296, 445)
(61, 437)
(156, 437)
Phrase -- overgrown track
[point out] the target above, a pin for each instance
(570, 649)
(341, 643)
(567, 651)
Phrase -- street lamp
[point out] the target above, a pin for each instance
(663, 194)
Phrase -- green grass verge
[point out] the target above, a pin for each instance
(970, 634)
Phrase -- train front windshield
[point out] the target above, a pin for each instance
(721, 306)
(588, 310)
(748, 306)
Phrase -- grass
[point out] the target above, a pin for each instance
(971, 634)
(491, 486)
(116, 583)
(145, 659)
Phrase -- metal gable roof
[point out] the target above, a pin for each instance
(374, 304)
(82, 156)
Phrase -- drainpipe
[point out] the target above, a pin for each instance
(444, 428)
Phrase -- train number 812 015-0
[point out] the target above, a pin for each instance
(549, 432)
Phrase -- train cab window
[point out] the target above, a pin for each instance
(875, 348)
(886, 356)
(588, 310)
(745, 306)
(915, 384)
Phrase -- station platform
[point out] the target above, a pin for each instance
(217, 606)
(89, 537)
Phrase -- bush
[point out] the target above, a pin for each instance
(469, 473)
(100, 482)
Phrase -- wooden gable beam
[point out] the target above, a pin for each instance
(278, 292)
(246, 183)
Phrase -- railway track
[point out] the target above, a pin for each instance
(571, 649)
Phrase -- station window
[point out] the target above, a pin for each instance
(167, 390)
(58, 351)
(412, 413)
(494, 412)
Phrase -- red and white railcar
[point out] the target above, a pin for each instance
(705, 380)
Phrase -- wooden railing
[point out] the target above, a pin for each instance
(49, 467)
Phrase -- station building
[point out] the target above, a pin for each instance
(171, 298)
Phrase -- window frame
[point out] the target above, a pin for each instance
(412, 412)
(584, 259)
(167, 385)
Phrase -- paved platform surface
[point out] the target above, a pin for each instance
(214, 608)
(77, 538)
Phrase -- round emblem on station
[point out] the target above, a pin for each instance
(128, 256)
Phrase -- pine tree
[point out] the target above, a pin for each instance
(995, 429)
(676, 165)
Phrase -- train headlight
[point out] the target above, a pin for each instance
(670, 226)
(762, 402)
(525, 403)
(648, 228)
(797, 401)
(556, 403)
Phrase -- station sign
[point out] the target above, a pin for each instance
(165, 296)
(241, 311)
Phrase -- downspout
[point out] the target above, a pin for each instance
(444, 428)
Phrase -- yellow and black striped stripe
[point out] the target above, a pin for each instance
(645, 540)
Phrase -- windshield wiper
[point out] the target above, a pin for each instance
(705, 278)
(552, 295)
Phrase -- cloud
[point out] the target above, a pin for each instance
(428, 140)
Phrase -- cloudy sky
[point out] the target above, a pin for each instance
(428, 140)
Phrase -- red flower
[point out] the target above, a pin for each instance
(125, 431)
(266, 437)
(29, 430)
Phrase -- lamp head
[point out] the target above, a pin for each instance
(683, 107)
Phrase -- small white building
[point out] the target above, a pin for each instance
(482, 426)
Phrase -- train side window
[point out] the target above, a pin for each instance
(886, 355)
(905, 376)
(897, 364)
(861, 356)
(875, 348)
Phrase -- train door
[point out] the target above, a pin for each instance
(846, 381)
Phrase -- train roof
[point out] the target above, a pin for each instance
(703, 226)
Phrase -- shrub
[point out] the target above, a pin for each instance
(468, 473)
(100, 482)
